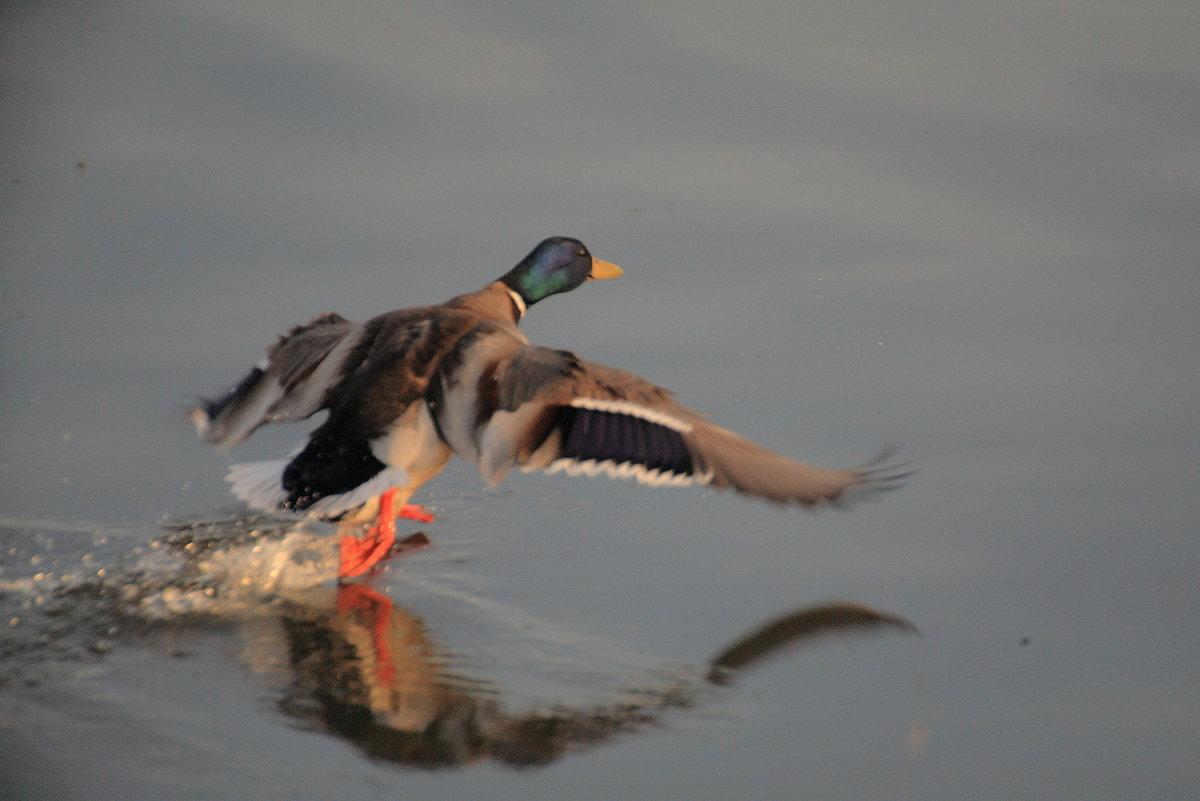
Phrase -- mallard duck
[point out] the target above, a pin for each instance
(409, 388)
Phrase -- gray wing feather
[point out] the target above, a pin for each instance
(290, 384)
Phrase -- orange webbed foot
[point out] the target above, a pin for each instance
(357, 555)
(413, 511)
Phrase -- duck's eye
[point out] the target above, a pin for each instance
(582, 252)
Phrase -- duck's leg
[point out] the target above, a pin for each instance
(357, 555)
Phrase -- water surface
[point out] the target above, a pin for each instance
(972, 233)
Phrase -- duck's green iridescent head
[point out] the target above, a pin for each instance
(557, 264)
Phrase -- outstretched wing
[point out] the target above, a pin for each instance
(290, 384)
(551, 410)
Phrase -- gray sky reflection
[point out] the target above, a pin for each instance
(969, 228)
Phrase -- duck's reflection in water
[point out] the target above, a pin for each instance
(366, 670)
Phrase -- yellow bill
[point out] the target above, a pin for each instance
(604, 269)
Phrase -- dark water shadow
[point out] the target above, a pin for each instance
(368, 671)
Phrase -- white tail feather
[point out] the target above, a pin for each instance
(259, 484)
